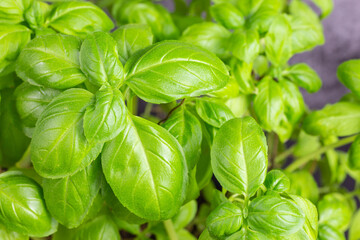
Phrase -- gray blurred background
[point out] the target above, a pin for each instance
(342, 35)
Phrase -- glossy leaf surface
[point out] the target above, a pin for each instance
(212, 112)
(304, 76)
(349, 75)
(239, 156)
(277, 181)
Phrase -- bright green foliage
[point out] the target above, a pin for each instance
(23, 206)
(304, 76)
(354, 154)
(239, 156)
(349, 75)
(277, 181)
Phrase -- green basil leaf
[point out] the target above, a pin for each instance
(51, 61)
(12, 39)
(326, 7)
(306, 144)
(100, 228)
(185, 215)
(262, 18)
(99, 60)
(79, 18)
(227, 15)
(354, 154)
(148, 13)
(239, 156)
(186, 128)
(104, 119)
(192, 188)
(245, 45)
(309, 231)
(231, 90)
(248, 234)
(304, 185)
(224, 220)
(12, 11)
(11, 235)
(213, 112)
(339, 119)
(328, 232)
(172, 70)
(23, 208)
(144, 149)
(304, 76)
(277, 181)
(268, 104)
(349, 75)
(294, 105)
(205, 235)
(13, 141)
(69, 199)
(203, 166)
(59, 147)
(131, 38)
(36, 15)
(275, 216)
(242, 73)
(247, 7)
(208, 35)
(354, 231)
(31, 101)
(278, 41)
(335, 210)
(261, 65)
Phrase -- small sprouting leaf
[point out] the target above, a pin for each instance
(99, 60)
(51, 61)
(268, 104)
(340, 119)
(131, 38)
(245, 45)
(130, 162)
(278, 41)
(239, 156)
(36, 15)
(79, 18)
(277, 181)
(208, 35)
(69, 199)
(224, 220)
(104, 119)
(23, 208)
(335, 210)
(304, 76)
(32, 100)
(227, 15)
(186, 128)
(59, 147)
(185, 215)
(349, 75)
(275, 216)
(172, 70)
(213, 112)
(326, 7)
(354, 154)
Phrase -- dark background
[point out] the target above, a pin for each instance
(342, 35)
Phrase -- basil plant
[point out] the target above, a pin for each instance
(121, 119)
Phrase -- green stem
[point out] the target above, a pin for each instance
(285, 154)
(148, 108)
(25, 161)
(170, 230)
(305, 159)
(133, 105)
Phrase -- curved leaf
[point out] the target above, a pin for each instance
(31, 101)
(277, 181)
(248, 234)
(245, 45)
(212, 112)
(328, 232)
(99, 60)
(146, 168)
(354, 231)
(131, 38)
(275, 216)
(51, 61)
(224, 220)
(11, 235)
(227, 15)
(354, 154)
(339, 119)
(23, 209)
(12, 39)
(12, 11)
(79, 18)
(239, 156)
(304, 185)
(59, 147)
(104, 119)
(69, 199)
(186, 128)
(304, 76)
(349, 75)
(172, 70)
